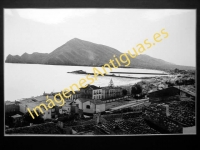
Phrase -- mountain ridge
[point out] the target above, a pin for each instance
(84, 53)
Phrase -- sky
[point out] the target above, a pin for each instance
(44, 30)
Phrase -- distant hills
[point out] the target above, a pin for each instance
(83, 53)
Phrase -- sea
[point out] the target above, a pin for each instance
(30, 80)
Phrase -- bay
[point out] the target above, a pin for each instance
(27, 80)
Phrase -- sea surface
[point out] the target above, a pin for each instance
(27, 80)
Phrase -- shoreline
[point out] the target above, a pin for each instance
(83, 72)
(140, 73)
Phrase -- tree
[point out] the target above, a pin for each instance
(136, 89)
(27, 119)
(124, 92)
(9, 121)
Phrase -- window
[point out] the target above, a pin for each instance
(88, 106)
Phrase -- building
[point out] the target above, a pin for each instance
(16, 118)
(185, 92)
(90, 106)
(46, 113)
(70, 107)
(66, 108)
(105, 93)
(33, 102)
(11, 107)
(80, 102)
(111, 91)
(91, 92)
(161, 95)
(93, 106)
(23, 104)
(74, 96)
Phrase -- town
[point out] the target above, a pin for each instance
(158, 105)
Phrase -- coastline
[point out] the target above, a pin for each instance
(83, 72)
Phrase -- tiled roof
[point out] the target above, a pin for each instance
(76, 92)
(91, 87)
(9, 103)
(186, 91)
(16, 116)
(83, 100)
(94, 87)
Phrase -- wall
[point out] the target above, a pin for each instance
(80, 105)
(86, 93)
(22, 108)
(97, 94)
(66, 108)
(11, 108)
(92, 107)
(101, 107)
(164, 93)
(47, 114)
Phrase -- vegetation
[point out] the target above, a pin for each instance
(124, 92)
(24, 121)
(27, 119)
(136, 89)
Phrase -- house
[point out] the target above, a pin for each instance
(91, 92)
(46, 113)
(80, 102)
(16, 117)
(74, 96)
(11, 107)
(159, 95)
(70, 107)
(23, 104)
(66, 108)
(185, 92)
(105, 92)
(93, 106)
(90, 106)
(34, 102)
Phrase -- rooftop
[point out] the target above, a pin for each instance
(186, 91)
(93, 87)
(9, 102)
(83, 100)
(96, 102)
(16, 116)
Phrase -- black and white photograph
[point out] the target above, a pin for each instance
(99, 71)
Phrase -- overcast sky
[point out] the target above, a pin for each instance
(43, 30)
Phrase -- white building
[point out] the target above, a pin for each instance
(94, 106)
(90, 106)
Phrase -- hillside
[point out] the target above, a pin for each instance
(79, 52)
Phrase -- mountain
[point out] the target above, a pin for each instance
(79, 52)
